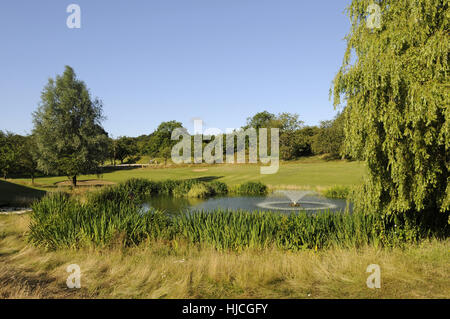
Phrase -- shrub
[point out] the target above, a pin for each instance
(219, 188)
(166, 187)
(200, 190)
(252, 188)
(183, 187)
(340, 192)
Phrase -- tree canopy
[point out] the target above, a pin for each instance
(394, 80)
(67, 128)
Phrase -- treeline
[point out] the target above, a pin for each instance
(296, 139)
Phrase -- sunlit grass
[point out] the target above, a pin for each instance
(192, 271)
(313, 173)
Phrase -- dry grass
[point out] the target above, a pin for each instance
(157, 270)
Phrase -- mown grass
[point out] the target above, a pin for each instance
(178, 270)
(311, 173)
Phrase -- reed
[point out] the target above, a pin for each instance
(115, 216)
(60, 221)
(337, 191)
(251, 188)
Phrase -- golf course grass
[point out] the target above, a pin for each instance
(312, 173)
(179, 269)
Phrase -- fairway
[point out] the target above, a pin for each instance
(304, 174)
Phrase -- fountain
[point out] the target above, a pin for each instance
(296, 202)
(295, 196)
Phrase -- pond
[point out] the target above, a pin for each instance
(277, 201)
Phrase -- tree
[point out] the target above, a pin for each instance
(162, 137)
(261, 120)
(27, 156)
(67, 127)
(284, 121)
(330, 137)
(125, 147)
(165, 152)
(395, 82)
(289, 122)
(294, 144)
(8, 153)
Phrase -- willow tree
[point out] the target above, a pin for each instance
(394, 81)
(67, 128)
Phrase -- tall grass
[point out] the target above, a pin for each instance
(138, 189)
(337, 191)
(108, 218)
(242, 229)
(60, 221)
(251, 188)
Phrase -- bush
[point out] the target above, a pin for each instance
(166, 187)
(200, 190)
(340, 192)
(219, 188)
(251, 188)
(183, 187)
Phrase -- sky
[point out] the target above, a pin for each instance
(159, 60)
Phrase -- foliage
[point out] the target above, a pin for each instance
(330, 137)
(69, 138)
(294, 144)
(60, 221)
(136, 190)
(8, 153)
(284, 121)
(200, 190)
(219, 188)
(17, 155)
(337, 191)
(182, 188)
(165, 152)
(124, 147)
(252, 188)
(395, 82)
(161, 138)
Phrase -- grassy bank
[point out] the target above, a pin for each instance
(162, 270)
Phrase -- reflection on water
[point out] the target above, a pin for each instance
(274, 202)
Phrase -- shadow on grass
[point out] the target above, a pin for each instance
(18, 195)
(206, 178)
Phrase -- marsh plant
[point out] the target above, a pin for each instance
(115, 216)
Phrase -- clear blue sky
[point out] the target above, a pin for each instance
(158, 60)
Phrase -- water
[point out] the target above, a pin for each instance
(274, 202)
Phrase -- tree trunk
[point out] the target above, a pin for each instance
(32, 179)
(74, 181)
